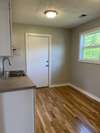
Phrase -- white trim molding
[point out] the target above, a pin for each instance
(78, 89)
(84, 92)
(49, 52)
(58, 85)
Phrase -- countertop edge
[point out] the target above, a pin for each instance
(16, 84)
(17, 89)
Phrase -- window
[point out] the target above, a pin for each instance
(90, 46)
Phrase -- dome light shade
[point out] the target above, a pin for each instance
(50, 13)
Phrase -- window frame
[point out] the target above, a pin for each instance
(81, 34)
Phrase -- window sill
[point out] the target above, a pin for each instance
(90, 62)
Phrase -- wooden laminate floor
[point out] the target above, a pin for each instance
(65, 110)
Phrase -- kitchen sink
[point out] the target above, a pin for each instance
(16, 73)
(8, 74)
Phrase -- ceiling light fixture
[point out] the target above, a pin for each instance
(50, 13)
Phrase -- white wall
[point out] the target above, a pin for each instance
(84, 75)
(60, 49)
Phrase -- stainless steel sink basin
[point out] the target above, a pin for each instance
(8, 74)
(16, 73)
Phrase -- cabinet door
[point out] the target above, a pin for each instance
(17, 112)
(5, 39)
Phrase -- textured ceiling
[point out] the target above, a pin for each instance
(32, 12)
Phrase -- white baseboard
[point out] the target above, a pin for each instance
(58, 85)
(78, 89)
(84, 92)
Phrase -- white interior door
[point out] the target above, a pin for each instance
(37, 59)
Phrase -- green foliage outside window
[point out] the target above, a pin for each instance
(91, 48)
(91, 54)
(92, 39)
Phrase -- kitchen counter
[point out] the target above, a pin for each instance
(17, 105)
(16, 83)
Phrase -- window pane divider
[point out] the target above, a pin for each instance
(96, 46)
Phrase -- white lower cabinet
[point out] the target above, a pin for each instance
(17, 111)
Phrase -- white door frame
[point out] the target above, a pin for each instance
(49, 52)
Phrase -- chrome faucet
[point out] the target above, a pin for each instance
(3, 65)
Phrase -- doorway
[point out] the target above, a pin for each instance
(38, 58)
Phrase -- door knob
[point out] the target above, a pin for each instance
(47, 61)
(47, 65)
